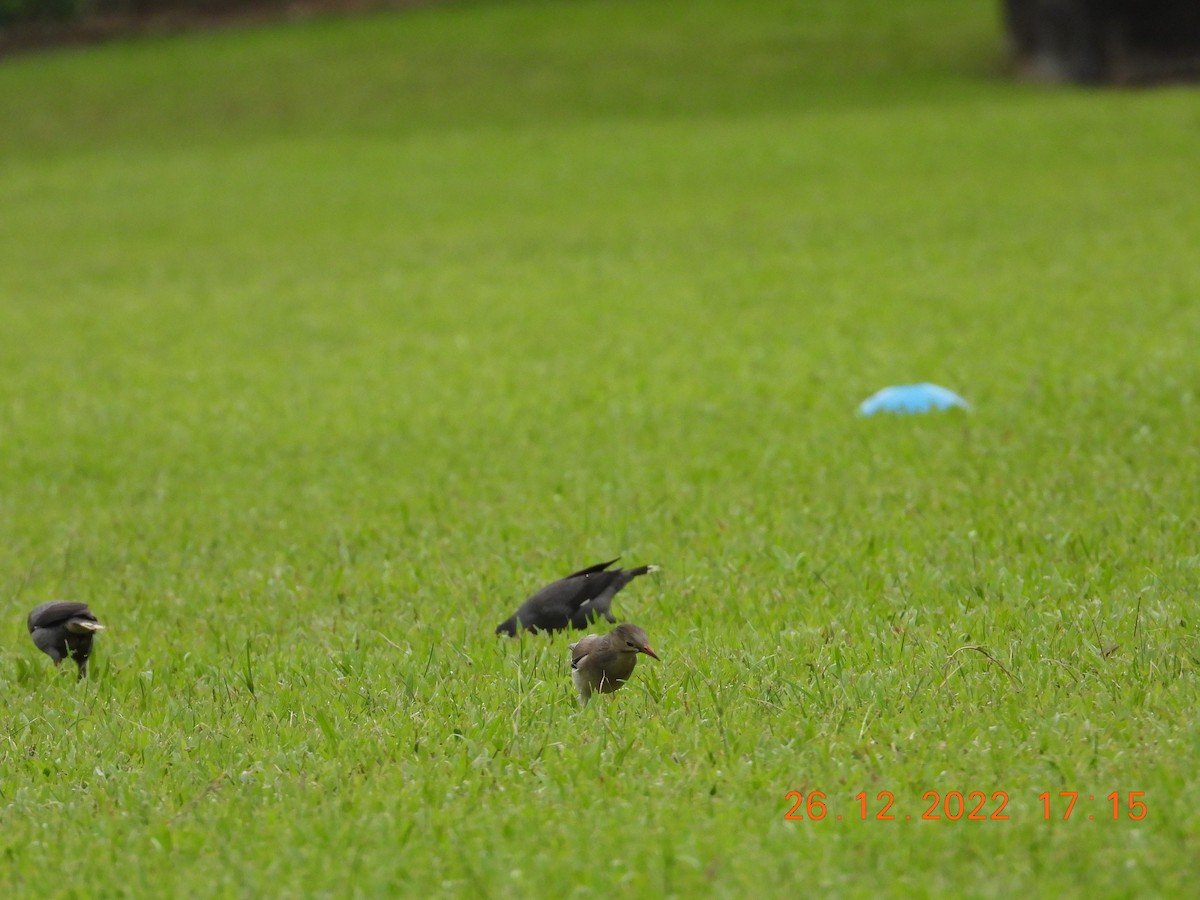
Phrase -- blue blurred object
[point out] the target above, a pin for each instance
(903, 399)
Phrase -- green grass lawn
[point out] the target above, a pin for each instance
(325, 344)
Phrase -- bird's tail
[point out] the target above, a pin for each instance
(83, 626)
(642, 570)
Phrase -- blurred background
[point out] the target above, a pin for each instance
(1082, 41)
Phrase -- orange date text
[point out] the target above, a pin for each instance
(973, 806)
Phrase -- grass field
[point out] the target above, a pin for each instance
(325, 344)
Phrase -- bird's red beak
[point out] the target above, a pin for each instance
(650, 652)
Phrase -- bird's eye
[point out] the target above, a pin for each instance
(630, 644)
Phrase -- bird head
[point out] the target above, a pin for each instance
(631, 639)
(508, 626)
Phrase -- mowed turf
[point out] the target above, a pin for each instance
(323, 345)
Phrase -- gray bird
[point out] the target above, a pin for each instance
(64, 628)
(576, 600)
(604, 662)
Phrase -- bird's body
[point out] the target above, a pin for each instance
(62, 629)
(603, 662)
(574, 601)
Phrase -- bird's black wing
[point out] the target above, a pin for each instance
(566, 595)
(553, 607)
(600, 582)
(597, 597)
(598, 567)
(47, 615)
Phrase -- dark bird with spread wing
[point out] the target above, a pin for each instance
(576, 600)
(62, 629)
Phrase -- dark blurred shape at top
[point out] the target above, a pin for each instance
(1105, 41)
